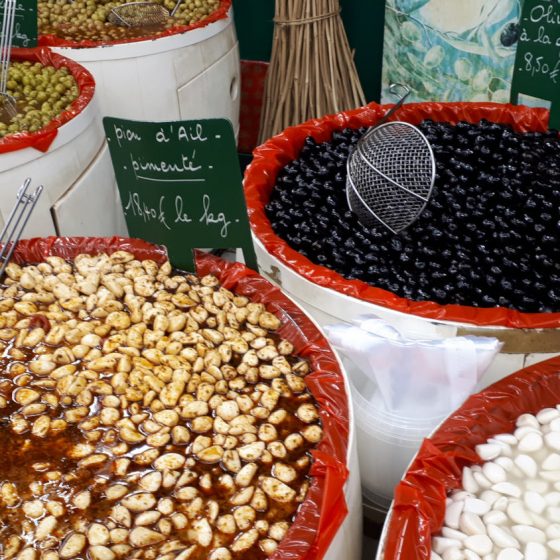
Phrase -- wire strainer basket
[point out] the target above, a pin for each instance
(391, 175)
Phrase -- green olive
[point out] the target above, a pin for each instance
(41, 92)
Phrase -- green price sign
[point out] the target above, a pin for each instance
(536, 72)
(25, 23)
(180, 185)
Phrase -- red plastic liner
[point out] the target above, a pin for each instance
(419, 505)
(272, 156)
(253, 75)
(324, 508)
(220, 13)
(43, 138)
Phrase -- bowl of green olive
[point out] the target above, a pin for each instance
(85, 23)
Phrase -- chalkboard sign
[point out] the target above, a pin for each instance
(25, 23)
(537, 64)
(180, 185)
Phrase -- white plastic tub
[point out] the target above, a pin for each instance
(77, 159)
(191, 75)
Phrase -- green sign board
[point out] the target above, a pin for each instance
(536, 72)
(25, 23)
(180, 185)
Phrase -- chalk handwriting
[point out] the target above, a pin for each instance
(140, 208)
(158, 213)
(25, 27)
(181, 216)
(149, 170)
(209, 217)
(540, 43)
(126, 135)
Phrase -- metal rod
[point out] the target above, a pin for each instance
(22, 210)
(173, 12)
(403, 94)
(21, 191)
(7, 35)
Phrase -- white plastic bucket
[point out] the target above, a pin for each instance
(77, 159)
(522, 347)
(191, 75)
(386, 442)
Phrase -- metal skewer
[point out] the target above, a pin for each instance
(8, 102)
(25, 203)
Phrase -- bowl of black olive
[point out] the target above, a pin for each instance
(482, 258)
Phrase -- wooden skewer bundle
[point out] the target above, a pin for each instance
(312, 71)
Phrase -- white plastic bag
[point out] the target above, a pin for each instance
(416, 378)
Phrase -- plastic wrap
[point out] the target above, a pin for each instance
(272, 156)
(419, 505)
(220, 13)
(324, 508)
(43, 138)
(450, 367)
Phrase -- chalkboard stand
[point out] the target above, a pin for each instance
(180, 186)
(25, 23)
(536, 72)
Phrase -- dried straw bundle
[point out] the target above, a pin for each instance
(311, 72)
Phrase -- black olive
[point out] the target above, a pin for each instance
(489, 231)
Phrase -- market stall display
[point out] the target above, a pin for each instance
(186, 71)
(492, 209)
(458, 255)
(179, 382)
(56, 138)
(489, 473)
(518, 510)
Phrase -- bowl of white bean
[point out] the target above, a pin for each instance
(486, 484)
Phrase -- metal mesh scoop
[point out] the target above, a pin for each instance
(140, 14)
(391, 174)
